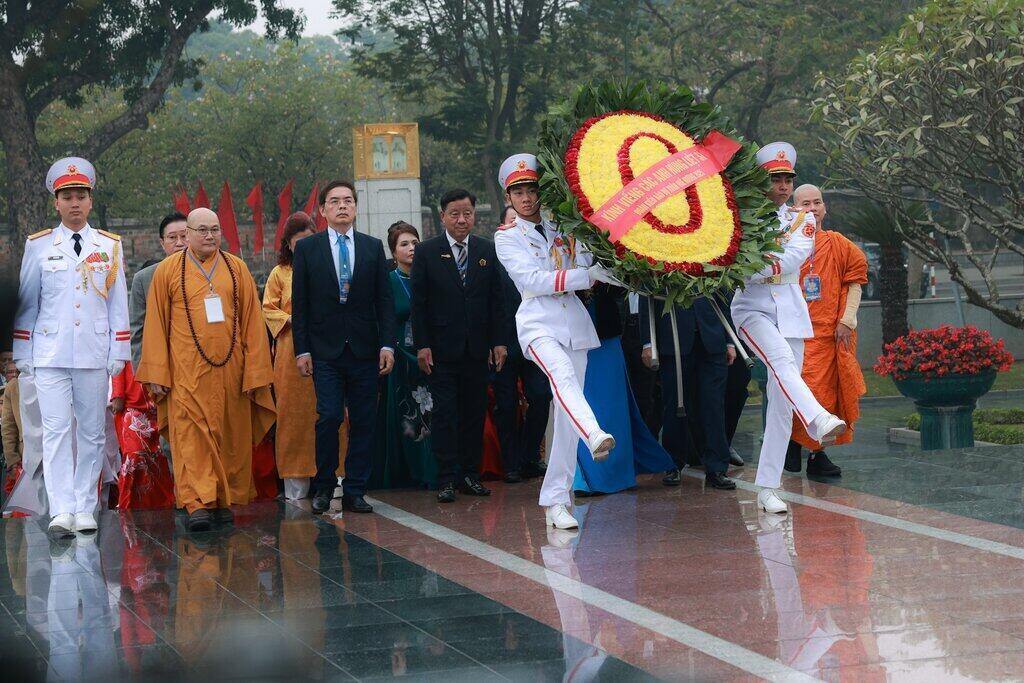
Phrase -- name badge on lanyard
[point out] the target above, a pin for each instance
(812, 281)
(214, 308)
(812, 287)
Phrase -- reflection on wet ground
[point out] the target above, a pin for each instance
(869, 578)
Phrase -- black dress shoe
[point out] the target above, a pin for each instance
(735, 459)
(355, 504)
(513, 477)
(321, 502)
(223, 516)
(446, 494)
(532, 470)
(818, 464)
(672, 478)
(199, 520)
(794, 457)
(471, 487)
(718, 480)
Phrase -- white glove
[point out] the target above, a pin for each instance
(24, 366)
(115, 367)
(599, 273)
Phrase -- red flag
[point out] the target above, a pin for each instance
(284, 208)
(228, 225)
(202, 201)
(255, 202)
(181, 204)
(313, 210)
(311, 201)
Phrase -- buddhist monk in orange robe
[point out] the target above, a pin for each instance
(206, 361)
(294, 446)
(830, 366)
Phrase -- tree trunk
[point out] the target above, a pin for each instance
(893, 293)
(26, 174)
(489, 168)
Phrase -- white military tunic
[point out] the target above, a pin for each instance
(555, 331)
(72, 323)
(771, 318)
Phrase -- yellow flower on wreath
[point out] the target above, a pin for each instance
(601, 165)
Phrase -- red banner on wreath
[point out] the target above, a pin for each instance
(668, 177)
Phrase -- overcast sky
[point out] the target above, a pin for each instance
(317, 19)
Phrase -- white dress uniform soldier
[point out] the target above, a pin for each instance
(554, 330)
(771, 318)
(71, 333)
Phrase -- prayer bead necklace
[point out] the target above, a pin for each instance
(234, 313)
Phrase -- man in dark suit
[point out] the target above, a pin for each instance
(706, 355)
(459, 329)
(520, 444)
(343, 320)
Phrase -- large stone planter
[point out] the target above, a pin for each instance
(946, 405)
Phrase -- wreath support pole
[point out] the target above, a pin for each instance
(655, 363)
(680, 404)
(732, 333)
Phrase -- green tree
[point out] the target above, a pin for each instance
(757, 60)
(260, 116)
(486, 68)
(936, 114)
(55, 51)
(881, 224)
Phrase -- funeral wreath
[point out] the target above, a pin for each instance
(660, 188)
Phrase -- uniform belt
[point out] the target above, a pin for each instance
(533, 295)
(784, 279)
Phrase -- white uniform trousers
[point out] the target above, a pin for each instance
(565, 369)
(69, 395)
(788, 394)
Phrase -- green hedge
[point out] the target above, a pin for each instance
(1003, 426)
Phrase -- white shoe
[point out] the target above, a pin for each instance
(769, 501)
(827, 428)
(601, 444)
(62, 525)
(85, 522)
(558, 516)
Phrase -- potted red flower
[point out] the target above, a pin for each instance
(945, 370)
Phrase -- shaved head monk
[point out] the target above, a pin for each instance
(206, 361)
(831, 281)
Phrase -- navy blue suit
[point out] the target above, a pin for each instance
(344, 340)
(702, 344)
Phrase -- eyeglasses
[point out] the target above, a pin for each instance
(206, 232)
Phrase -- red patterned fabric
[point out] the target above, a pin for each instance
(145, 480)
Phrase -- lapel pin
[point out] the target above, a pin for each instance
(446, 255)
(483, 262)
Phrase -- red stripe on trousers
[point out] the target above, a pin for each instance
(764, 357)
(557, 394)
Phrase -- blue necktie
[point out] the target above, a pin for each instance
(344, 276)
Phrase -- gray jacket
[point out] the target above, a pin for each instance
(137, 310)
